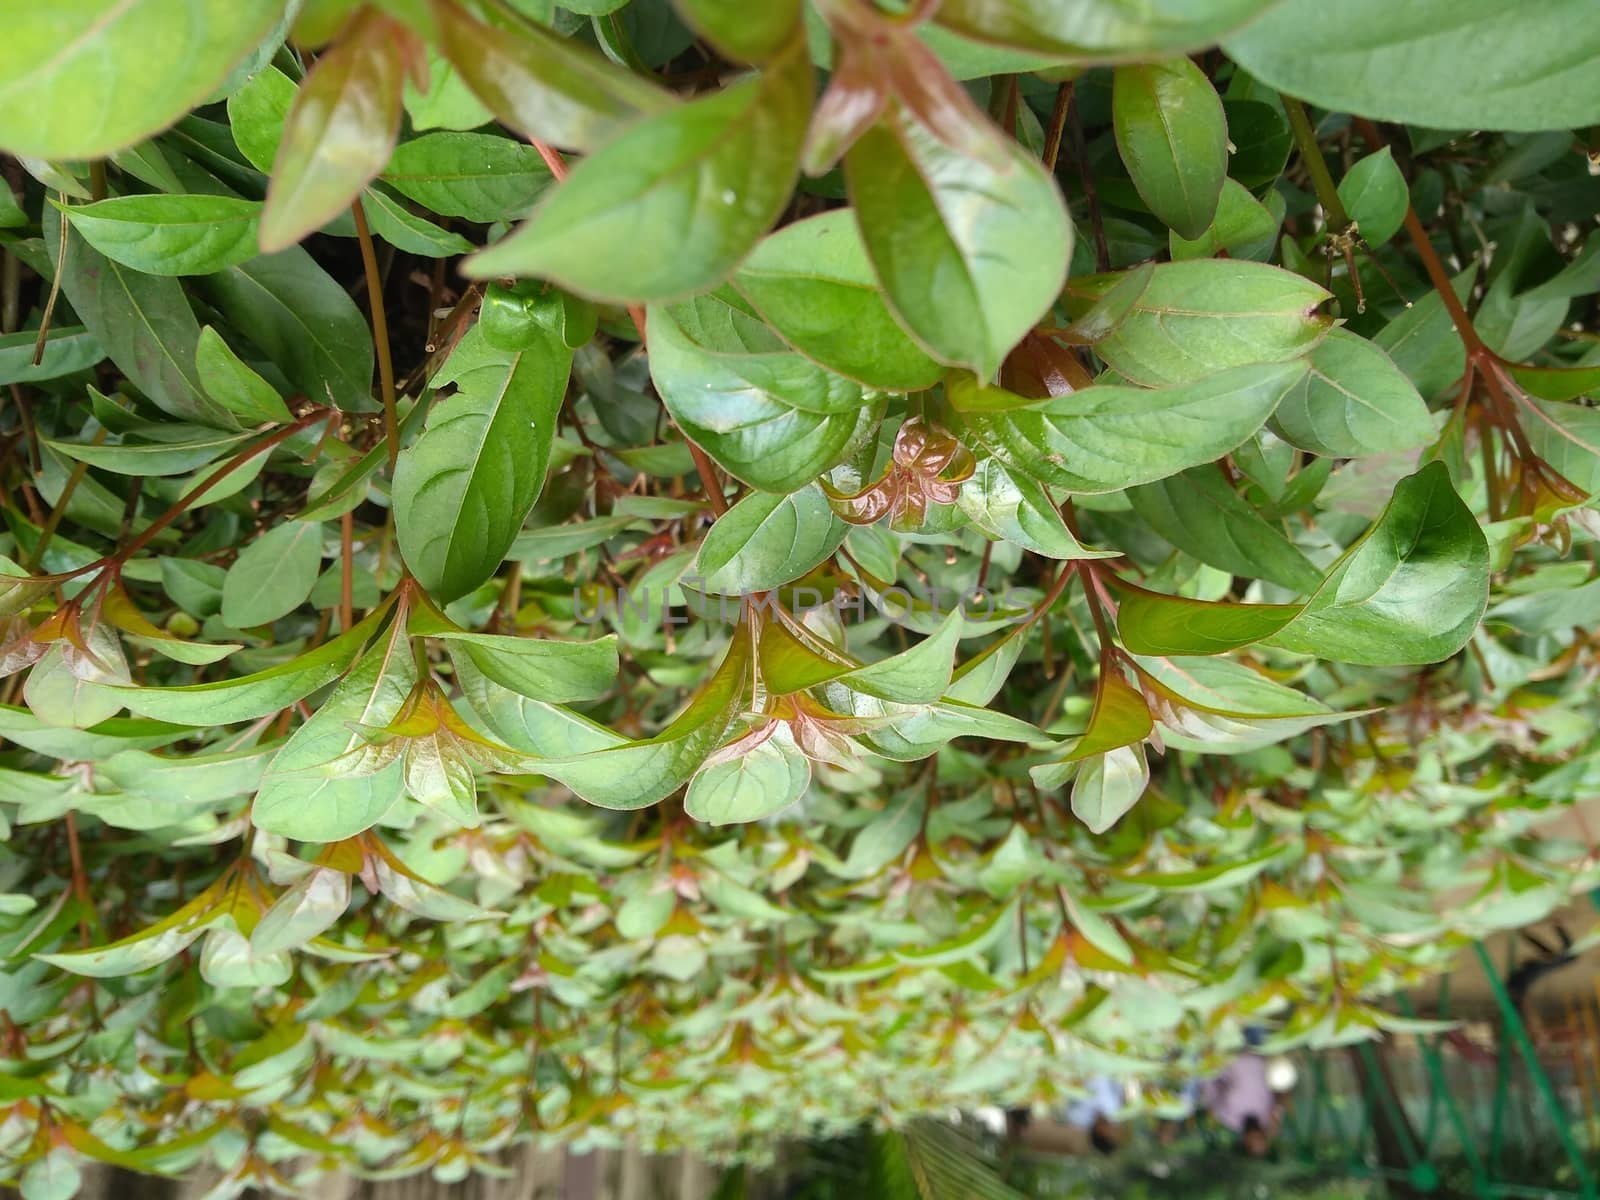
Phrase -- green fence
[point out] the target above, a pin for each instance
(1434, 1122)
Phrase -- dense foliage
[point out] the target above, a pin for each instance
(620, 571)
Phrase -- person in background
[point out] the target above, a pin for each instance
(1097, 1113)
(1242, 1101)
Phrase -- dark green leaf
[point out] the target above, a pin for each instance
(1199, 513)
(464, 489)
(546, 86)
(1375, 195)
(767, 540)
(475, 176)
(1403, 62)
(1353, 401)
(78, 78)
(768, 416)
(144, 324)
(1195, 318)
(1173, 137)
(234, 385)
(305, 322)
(971, 251)
(670, 206)
(170, 235)
(339, 131)
(1106, 438)
(812, 283)
(273, 575)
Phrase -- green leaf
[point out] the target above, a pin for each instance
(273, 574)
(971, 251)
(256, 113)
(304, 322)
(767, 540)
(463, 489)
(476, 176)
(982, 934)
(1423, 341)
(919, 675)
(1093, 31)
(1154, 623)
(1567, 437)
(811, 281)
(1108, 785)
(1557, 383)
(1403, 62)
(1242, 228)
(1375, 195)
(742, 31)
(1199, 317)
(152, 945)
(448, 103)
(1410, 590)
(250, 696)
(670, 206)
(162, 449)
(1120, 717)
(1199, 513)
(404, 230)
(1353, 401)
(884, 838)
(1010, 506)
(67, 350)
(539, 668)
(170, 235)
(1413, 588)
(339, 131)
(1107, 438)
(760, 781)
(639, 774)
(543, 85)
(143, 323)
(78, 81)
(1218, 706)
(310, 791)
(232, 384)
(1173, 138)
(765, 414)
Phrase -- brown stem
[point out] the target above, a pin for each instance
(552, 159)
(1437, 275)
(380, 333)
(80, 877)
(710, 482)
(185, 502)
(1479, 357)
(1063, 577)
(1080, 151)
(1058, 126)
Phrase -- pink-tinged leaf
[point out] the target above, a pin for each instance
(340, 130)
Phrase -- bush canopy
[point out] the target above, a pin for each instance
(700, 572)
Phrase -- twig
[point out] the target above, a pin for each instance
(55, 288)
(1305, 138)
(380, 333)
(1080, 151)
(1058, 126)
